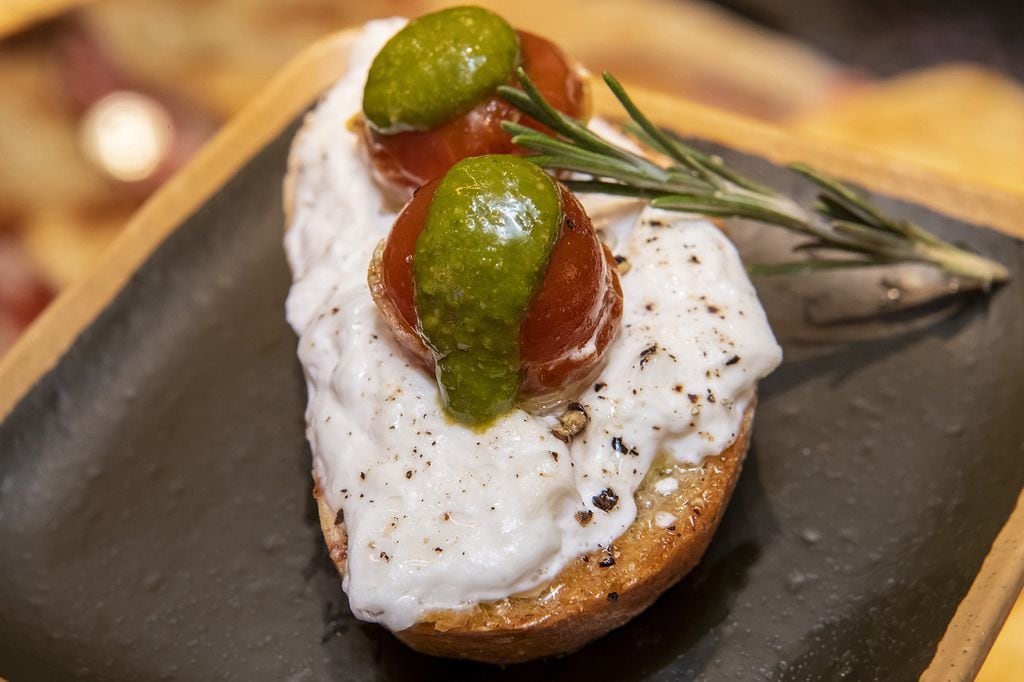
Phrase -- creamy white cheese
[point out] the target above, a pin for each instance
(440, 516)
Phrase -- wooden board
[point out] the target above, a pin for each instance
(976, 623)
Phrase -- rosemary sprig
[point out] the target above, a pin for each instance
(843, 220)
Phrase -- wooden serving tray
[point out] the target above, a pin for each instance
(154, 474)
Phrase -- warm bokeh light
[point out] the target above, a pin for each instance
(126, 134)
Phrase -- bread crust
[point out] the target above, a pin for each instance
(588, 598)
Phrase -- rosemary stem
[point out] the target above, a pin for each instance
(842, 220)
(962, 263)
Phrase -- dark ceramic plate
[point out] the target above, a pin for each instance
(156, 521)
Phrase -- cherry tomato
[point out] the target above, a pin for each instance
(570, 322)
(404, 161)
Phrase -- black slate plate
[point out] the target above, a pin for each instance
(156, 522)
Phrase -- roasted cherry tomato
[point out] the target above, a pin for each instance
(568, 323)
(407, 154)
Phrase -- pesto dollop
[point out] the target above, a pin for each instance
(437, 67)
(477, 265)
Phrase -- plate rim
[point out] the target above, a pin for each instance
(980, 614)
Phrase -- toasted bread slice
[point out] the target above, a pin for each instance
(596, 593)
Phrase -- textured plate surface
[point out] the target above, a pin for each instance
(156, 522)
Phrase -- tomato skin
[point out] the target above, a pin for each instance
(404, 161)
(396, 260)
(579, 300)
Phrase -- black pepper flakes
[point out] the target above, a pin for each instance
(339, 518)
(605, 500)
(694, 398)
(408, 474)
(613, 596)
(599, 386)
(622, 264)
(646, 354)
(733, 360)
(621, 448)
(713, 309)
(584, 517)
(608, 560)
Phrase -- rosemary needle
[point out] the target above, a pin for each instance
(842, 220)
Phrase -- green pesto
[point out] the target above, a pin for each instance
(477, 265)
(437, 67)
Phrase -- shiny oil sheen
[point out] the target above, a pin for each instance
(477, 265)
(438, 66)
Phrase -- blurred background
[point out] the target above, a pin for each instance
(102, 100)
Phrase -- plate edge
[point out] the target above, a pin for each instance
(981, 613)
